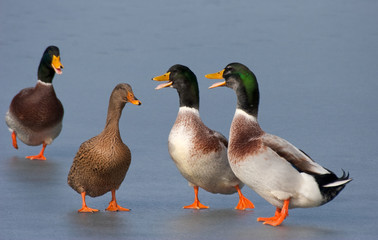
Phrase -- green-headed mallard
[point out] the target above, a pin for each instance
(35, 114)
(199, 153)
(278, 171)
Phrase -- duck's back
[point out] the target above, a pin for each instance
(99, 166)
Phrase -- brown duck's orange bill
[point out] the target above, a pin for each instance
(218, 75)
(218, 84)
(132, 99)
(136, 102)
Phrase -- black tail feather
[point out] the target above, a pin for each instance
(330, 192)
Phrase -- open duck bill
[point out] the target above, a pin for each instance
(57, 65)
(218, 75)
(164, 77)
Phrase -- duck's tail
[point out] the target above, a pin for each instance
(330, 185)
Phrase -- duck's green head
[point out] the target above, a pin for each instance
(238, 77)
(184, 81)
(50, 64)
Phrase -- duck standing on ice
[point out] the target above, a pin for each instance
(275, 169)
(199, 153)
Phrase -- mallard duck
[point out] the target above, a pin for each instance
(279, 172)
(35, 114)
(101, 163)
(199, 153)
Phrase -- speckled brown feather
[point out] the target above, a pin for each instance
(100, 165)
(101, 162)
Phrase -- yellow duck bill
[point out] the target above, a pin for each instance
(218, 75)
(164, 77)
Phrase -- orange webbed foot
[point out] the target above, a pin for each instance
(36, 157)
(267, 219)
(278, 217)
(39, 156)
(114, 207)
(244, 202)
(196, 204)
(86, 209)
(275, 221)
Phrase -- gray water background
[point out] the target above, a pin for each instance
(316, 63)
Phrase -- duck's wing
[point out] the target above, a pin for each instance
(300, 160)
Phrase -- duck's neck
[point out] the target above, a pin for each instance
(189, 98)
(112, 119)
(248, 98)
(45, 72)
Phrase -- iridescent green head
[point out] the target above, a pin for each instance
(50, 64)
(185, 82)
(243, 81)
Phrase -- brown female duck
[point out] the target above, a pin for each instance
(101, 163)
(35, 114)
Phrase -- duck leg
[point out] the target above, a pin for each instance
(14, 140)
(85, 208)
(40, 155)
(196, 204)
(243, 201)
(279, 216)
(113, 206)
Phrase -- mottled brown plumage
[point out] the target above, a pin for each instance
(101, 162)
